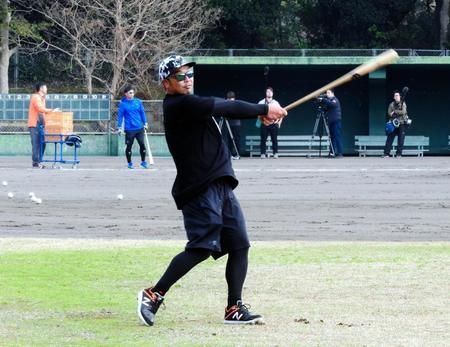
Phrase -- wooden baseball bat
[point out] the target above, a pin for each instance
(383, 59)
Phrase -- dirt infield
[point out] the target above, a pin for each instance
(350, 199)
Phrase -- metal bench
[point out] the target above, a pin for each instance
(290, 145)
(374, 145)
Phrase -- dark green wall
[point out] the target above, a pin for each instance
(427, 102)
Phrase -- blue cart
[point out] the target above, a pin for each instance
(59, 140)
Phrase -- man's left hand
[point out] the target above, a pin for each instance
(275, 113)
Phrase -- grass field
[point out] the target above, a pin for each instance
(82, 293)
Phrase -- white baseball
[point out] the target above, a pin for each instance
(31, 195)
(38, 200)
(4, 183)
(10, 195)
(120, 196)
(33, 198)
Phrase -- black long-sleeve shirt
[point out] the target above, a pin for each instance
(195, 142)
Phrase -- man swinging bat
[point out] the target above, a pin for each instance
(203, 188)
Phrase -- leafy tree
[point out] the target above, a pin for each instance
(14, 29)
(442, 22)
(5, 51)
(330, 24)
(255, 24)
(355, 23)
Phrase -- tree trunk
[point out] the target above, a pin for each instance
(117, 70)
(88, 76)
(444, 21)
(5, 54)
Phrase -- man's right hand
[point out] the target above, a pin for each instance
(119, 131)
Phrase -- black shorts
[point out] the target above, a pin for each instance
(214, 221)
(130, 135)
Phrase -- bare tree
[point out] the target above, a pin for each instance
(124, 37)
(77, 32)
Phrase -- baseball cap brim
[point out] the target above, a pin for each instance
(188, 64)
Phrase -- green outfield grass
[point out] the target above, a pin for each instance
(310, 293)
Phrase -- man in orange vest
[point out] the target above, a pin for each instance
(36, 118)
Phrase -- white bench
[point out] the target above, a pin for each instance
(290, 145)
(374, 145)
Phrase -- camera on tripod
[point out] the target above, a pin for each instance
(320, 101)
(321, 125)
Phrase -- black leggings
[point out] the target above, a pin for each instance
(271, 130)
(181, 264)
(129, 140)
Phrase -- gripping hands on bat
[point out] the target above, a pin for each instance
(274, 115)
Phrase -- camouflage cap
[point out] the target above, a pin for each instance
(171, 64)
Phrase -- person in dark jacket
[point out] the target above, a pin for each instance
(397, 112)
(334, 119)
(203, 188)
(133, 121)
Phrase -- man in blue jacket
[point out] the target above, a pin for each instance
(131, 113)
(334, 119)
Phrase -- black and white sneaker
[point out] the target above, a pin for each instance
(148, 305)
(239, 314)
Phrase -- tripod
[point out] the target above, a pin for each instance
(230, 133)
(319, 127)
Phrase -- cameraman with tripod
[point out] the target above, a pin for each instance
(398, 115)
(333, 114)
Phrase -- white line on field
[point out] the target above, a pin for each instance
(429, 169)
(348, 170)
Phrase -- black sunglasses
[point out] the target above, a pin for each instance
(181, 76)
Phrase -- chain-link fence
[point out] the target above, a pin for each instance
(53, 66)
(28, 66)
(153, 110)
(307, 52)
